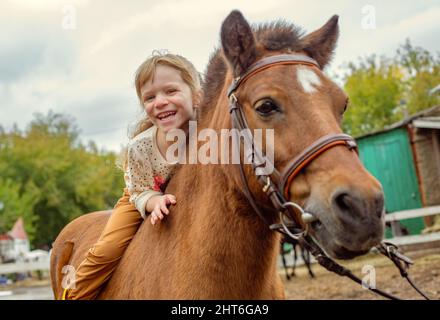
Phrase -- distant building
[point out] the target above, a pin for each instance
(15, 243)
(405, 158)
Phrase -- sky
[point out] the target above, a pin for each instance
(79, 57)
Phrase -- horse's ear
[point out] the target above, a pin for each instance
(238, 42)
(321, 43)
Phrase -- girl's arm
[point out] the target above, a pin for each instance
(139, 178)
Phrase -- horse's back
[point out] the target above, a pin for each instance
(71, 245)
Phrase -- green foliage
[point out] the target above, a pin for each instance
(383, 91)
(423, 74)
(374, 88)
(15, 205)
(50, 178)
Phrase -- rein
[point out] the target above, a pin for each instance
(294, 221)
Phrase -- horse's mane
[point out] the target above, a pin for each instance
(273, 36)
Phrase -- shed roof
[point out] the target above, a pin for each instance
(429, 118)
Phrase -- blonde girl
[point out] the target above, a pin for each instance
(169, 90)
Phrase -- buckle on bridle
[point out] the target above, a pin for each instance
(267, 185)
(233, 98)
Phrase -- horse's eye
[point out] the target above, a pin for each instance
(266, 107)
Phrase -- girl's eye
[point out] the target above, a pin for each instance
(266, 107)
(149, 98)
(170, 91)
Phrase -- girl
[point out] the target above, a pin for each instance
(168, 87)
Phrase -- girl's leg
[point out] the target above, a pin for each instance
(102, 259)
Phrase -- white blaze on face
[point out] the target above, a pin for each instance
(308, 79)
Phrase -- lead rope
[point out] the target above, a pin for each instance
(386, 248)
(401, 261)
(332, 266)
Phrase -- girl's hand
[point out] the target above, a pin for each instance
(160, 206)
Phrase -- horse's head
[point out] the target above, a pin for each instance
(302, 105)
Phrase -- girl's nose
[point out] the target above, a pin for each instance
(160, 101)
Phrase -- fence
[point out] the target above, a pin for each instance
(406, 240)
(23, 267)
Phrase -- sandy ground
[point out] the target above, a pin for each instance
(325, 286)
(28, 289)
(425, 273)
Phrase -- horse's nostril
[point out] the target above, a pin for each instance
(343, 201)
(349, 205)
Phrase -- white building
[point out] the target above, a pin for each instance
(15, 243)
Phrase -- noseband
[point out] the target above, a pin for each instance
(294, 220)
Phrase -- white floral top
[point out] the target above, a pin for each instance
(147, 171)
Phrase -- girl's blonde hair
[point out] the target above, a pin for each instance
(146, 71)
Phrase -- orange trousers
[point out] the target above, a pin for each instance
(102, 259)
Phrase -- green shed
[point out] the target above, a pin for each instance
(405, 158)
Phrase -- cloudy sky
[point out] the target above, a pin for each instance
(79, 57)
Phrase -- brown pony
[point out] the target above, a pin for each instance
(213, 245)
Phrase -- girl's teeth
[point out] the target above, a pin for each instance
(166, 115)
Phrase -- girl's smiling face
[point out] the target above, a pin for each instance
(168, 99)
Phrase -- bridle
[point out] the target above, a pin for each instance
(294, 221)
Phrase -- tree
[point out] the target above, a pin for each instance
(48, 167)
(422, 74)
(374, 87)
(383, 90)
(15, 205)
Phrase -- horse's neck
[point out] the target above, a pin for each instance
(224, 223)
(219, 187)
(232, 237)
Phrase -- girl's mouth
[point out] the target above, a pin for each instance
(167, 115)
